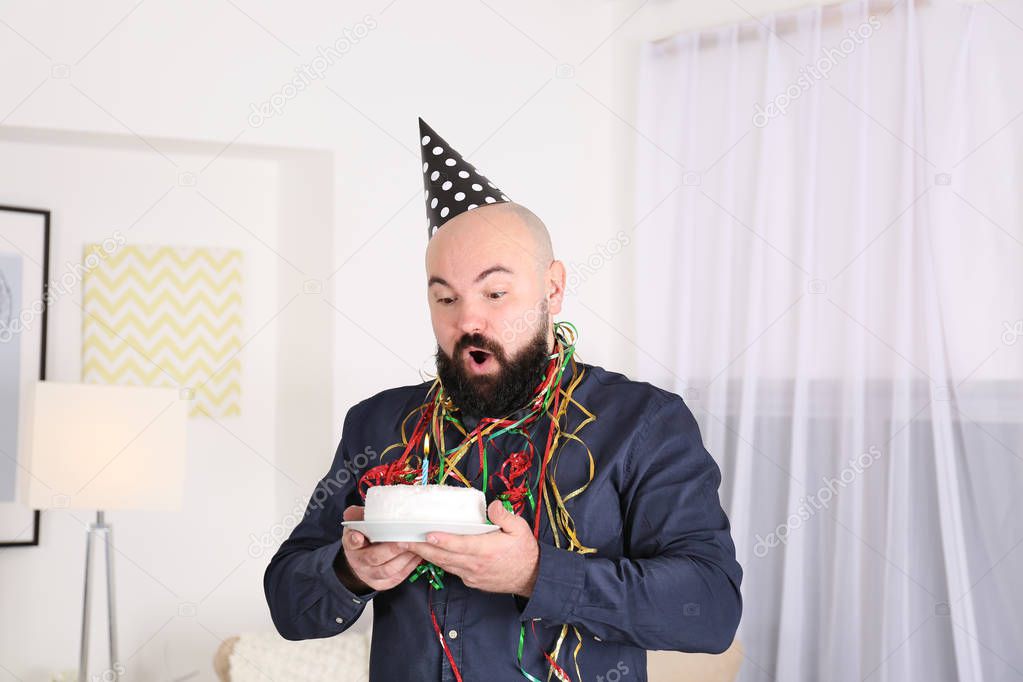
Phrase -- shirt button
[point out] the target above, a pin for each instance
(339, 620)
(597, 638)
(453, 634)
(357, 601)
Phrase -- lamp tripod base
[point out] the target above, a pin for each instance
(100, 531)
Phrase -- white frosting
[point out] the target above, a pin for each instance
(447, 503)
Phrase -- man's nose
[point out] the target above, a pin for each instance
(471, 318)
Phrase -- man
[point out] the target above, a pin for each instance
(612, 539)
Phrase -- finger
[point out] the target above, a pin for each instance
(378, 554)
(449, 561)
(508, 521)
(402, 564)
(353, 539)
(413, 561)
(409, 566)
(390, 576)
(459, 544)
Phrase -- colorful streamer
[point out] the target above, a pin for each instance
(540, 495)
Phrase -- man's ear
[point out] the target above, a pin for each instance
(555, 282)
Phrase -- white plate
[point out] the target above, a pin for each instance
(415, 531)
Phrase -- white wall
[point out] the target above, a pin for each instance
(200, 561)
(158, 75)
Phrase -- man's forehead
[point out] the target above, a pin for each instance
(497, 222)
(493, 270)
(474, 245)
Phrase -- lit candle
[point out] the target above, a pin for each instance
(426, 458)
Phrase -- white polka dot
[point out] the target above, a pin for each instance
(490, 200)
(503, 197)
(425, 167)
(444, 212)
(438, 150)
(433, 204)
(491, 185)
(434, 175)
(450, 162)
(459, 196)
(463, 174)
(434, 229)
(446, 185)
(426, 140)
(472, 206)
(478, 187)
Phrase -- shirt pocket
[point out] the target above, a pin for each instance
(597, 519)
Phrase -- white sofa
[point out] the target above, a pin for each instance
(345, 658)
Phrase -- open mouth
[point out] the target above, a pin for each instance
(479, 360)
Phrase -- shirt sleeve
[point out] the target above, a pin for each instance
(306, 598)
(677, 587)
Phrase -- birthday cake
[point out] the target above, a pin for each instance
(442, 503)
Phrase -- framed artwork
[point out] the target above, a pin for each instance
(24, 273)
(158, 315)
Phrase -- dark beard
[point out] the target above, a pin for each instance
(508, 389)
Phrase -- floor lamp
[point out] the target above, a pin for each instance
(102, 448)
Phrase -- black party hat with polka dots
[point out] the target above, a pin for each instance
(452, 184)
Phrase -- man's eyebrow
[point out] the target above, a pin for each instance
(434, 279)
(491, 270)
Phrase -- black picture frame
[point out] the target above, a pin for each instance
(44, 216)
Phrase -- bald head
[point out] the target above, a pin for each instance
(537, 231)
(507, 222)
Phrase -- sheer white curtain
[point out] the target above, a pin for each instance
(828, 248)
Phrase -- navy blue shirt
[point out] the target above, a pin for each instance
(664, 575)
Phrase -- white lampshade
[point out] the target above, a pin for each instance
(100, 447)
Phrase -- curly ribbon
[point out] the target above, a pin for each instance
(438, 412)
(435, 573)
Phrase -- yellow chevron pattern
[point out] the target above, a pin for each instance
(166, 316)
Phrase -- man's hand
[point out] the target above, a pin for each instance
(378, 565)
(502, 561)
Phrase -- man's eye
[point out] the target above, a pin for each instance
(445, 301)
(497, 294)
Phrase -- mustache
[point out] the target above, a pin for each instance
(478, 341)
(508, 388)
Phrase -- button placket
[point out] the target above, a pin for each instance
(453, 618)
